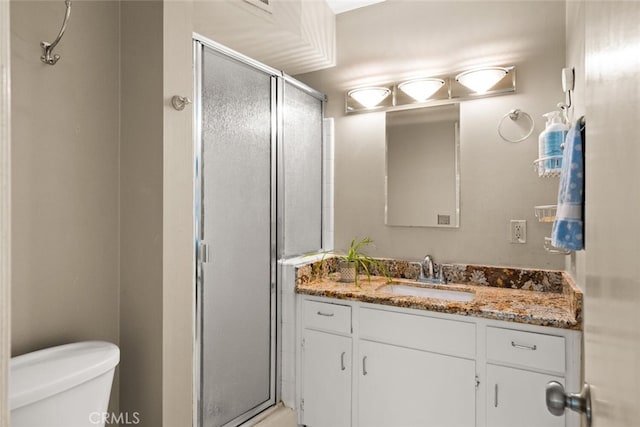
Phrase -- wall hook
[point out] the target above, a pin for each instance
(179, 102)
(47, 48)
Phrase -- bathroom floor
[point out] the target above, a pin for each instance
(280, 417)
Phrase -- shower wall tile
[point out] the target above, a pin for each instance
(328, 185)
(288, 351)
(289, 368)
(289, 393)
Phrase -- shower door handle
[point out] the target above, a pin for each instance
(204, 253)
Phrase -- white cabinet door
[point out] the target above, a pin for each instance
(401, 387)
(326, 380)
(516, 397)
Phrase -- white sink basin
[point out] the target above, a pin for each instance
(415, 291)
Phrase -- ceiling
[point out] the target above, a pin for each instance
(399, 40)
(340, 6)
(295, 36)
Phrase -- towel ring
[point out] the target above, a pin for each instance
(514, 115)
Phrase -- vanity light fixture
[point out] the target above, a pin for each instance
(421, 89)
(480, 80)
(369, 97)
(440, 89)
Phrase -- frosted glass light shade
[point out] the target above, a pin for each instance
(369, 96)
(421, 89)
(482, 79)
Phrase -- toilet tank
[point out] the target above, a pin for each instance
(64, 386)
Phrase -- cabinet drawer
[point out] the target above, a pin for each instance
(326, 316)
(419, 332)
(539, 351)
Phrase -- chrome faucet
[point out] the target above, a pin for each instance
(429, 273)
(426, 271)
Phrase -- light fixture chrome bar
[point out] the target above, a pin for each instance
(450, 91)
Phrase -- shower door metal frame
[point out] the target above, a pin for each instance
(278, 80)
(199, 43)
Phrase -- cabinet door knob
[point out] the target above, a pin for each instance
(364, 365)
(558, 400)
(342, 367)
(495, 396)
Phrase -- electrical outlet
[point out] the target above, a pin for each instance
(518, 231)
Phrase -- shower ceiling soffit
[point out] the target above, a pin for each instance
(296, 36)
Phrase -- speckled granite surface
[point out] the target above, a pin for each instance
(537, 297)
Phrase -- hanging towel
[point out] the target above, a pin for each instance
(568, 227)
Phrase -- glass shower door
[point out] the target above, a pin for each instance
(236, 275)
(301, 173)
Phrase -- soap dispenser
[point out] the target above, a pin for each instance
(550, 144)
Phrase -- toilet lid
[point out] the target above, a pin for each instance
(43, 373)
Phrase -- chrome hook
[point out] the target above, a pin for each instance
(179, 102)
(47, 48)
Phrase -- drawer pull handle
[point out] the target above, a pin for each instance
(342, 367)
(526, 347)
(321, 313)
(364, 365)
(495, 396)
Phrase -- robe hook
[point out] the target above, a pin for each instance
(179, 102)
(47, 48)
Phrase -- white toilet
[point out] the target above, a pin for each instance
(64, 386)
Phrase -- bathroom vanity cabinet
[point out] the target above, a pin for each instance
(327, 364)
(410, 373)
(407, 387)
(515, 398)
(519, 365)
(369, 365)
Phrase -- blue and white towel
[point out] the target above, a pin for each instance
(568, 227)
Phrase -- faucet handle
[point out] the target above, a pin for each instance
(440, 273)
(420, 275)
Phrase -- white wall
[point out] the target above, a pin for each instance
(5, 213)
(178, 269)
(141, 210)
(65, 176)
(65, 167)
(391, 41)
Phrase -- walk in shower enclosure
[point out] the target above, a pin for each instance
(258, 198)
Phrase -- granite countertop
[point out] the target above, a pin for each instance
(553, 300)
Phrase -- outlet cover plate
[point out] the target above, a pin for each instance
(518, 231)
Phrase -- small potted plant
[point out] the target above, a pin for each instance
(355, 260)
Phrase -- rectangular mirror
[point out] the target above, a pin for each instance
(422, 167)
